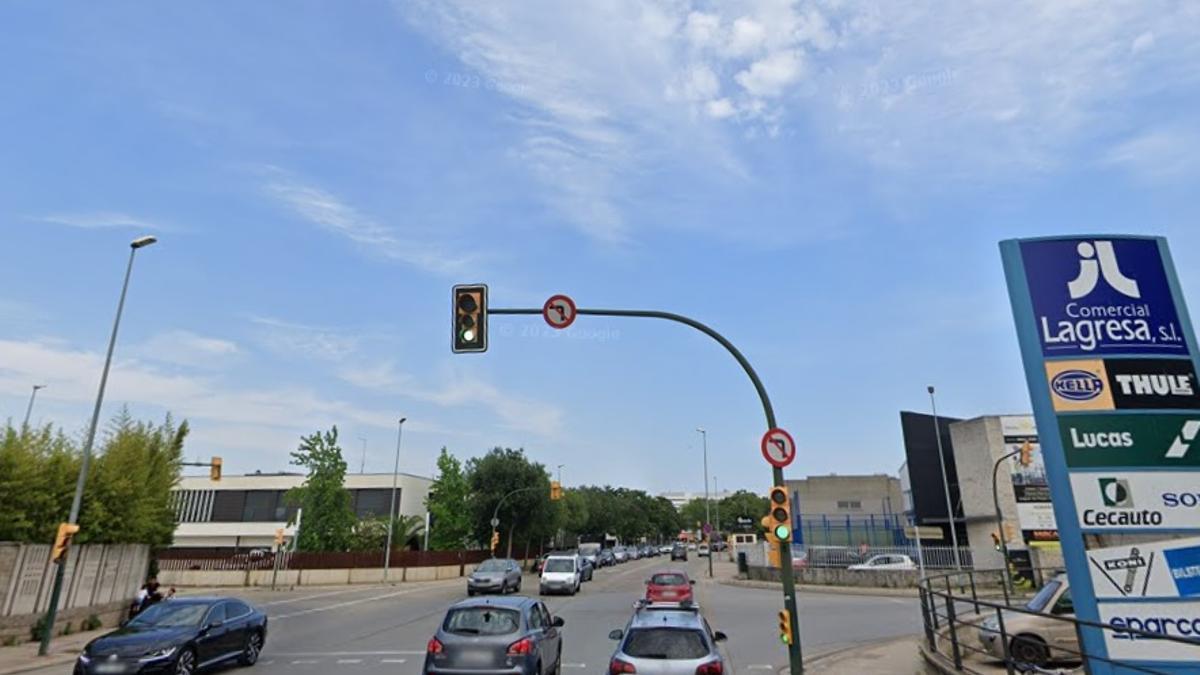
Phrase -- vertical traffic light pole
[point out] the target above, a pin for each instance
(1000, 523)
(795, 657)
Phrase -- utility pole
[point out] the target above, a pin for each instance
(937, 431)
(387, 553)
(77, 500)
(362, 465)
(707, 502)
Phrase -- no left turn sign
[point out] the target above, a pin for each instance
(559, 311)
(778, 448)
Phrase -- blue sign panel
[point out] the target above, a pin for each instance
(1095, 296)
(1184, 565)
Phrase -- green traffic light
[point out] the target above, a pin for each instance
(783, 532)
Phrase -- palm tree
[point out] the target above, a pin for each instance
(407, 531)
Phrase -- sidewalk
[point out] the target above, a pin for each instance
(725, 572)
(63, 650)
(901, 656)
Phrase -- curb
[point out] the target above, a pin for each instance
(833, 590)
(936, 661)
(44, 662)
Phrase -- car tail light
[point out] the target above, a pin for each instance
(710, 668)
(617, 666)
(521, 647)
(434, 646)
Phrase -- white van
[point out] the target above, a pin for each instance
(561, 574)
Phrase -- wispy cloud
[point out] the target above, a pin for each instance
(324, 209)
(185, 348)
(305, 341)
(101, 220)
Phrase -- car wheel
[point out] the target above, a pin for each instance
(186, 663)
(254, 645)
(470, 593)
(518, 589)
(541, 590)
(557, 663)
(1029, 649)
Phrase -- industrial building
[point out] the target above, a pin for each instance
(847, 510)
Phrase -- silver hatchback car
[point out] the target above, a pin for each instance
(667, 639)
(499, 634)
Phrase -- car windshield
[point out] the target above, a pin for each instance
(666, 643)
(170, 615)
(560, 565)
(481, 621)
(492, 566)
(668, 580)
(1039, 601)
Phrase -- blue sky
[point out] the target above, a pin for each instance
(825, 182)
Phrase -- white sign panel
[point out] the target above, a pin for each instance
(1137, 500)
(1176, 619)
(1159, 569)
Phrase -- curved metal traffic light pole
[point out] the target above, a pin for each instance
(795, 656)
(496, 511)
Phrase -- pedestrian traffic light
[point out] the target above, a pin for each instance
(62, 541)
(785, 627)
(470, 318)
(279, 537)
(556, 492)
(495, 540)
(214, 469)
(780, 516)
(996, 539)
(1026, 457)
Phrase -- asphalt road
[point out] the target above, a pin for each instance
(371, 630)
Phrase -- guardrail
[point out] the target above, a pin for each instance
(972, 615)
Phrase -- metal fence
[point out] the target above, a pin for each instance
(932, 557)
(872, 529)
(975, 625)
(309, 560)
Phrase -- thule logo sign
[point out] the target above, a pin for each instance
(1152, 383)
(1156, 385)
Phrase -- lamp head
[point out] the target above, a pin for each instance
(142, 242)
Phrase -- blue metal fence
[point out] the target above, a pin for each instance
(870, 529)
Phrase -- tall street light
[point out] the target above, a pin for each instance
(30, 408)
(387, 553)
(937, 432)
(707, 514)
(560, 466)
(77, 500)
(717, 494)
(362, 465)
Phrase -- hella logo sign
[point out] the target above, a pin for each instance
(1077, 385)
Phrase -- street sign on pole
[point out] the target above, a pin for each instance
(778, 448)
(930, 533)
(495, 522)
(707, 528)
(559, 311)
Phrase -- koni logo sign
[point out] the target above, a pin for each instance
(1123, 384)
(1101, 296)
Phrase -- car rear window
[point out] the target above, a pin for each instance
(481, 621)
(560, 565)
(666, 643)
(668, 580)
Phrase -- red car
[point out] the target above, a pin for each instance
(669, 586)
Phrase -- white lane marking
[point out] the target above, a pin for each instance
(310, 597)
(348, 603)
(267, 663)
(299, 661)
(760, 666)
(393, 660)
(349, 660)
(574, 665)
(408, 652)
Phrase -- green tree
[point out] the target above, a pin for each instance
(693, 512)
(450, 522)
(370, 534)
(525, 517)
(327, 518)
(38, 468)
(743, 504)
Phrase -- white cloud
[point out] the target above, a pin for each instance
(301, 340)
(747, 37)
(1163, 154)
(768, 77)
(327, 211)
(702, 30)
(1142, 42)
(101, 220)
(720, 108)
(186, 348)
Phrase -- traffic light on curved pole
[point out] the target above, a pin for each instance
(470, 318)
(495, 541)
(785, 626)
(780, 516)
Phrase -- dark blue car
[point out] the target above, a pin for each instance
(179, 636)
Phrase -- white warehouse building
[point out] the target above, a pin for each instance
(245, 511)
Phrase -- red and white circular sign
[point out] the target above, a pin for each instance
(778, 448)
(559, 311)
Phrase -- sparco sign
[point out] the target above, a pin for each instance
(1096, 296)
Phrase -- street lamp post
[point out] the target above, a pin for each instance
(562, 536)
(387, 553)
(707, 514)
(362, 465)
(717, 493)
(77, 500)
(30, 408)
(937, 432)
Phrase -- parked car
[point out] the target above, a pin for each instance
(719, 545)
(586, 569)
(886, 562)
(828, 556)
(679, 552)
(590, 551)
(606, 558)
(667, 640)
(702, 550)
(179, 636)
(562, 574)
(669, 586)
(497, 575)
(511, 635)
(691, 546)
(665, 549)
(620, 554)
(634, 553)
(1036, 638)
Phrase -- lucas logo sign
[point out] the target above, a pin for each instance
(1105, 296)
(1123, 384)
(1131, 440)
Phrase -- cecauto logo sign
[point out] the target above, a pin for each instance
(1137, 500)
(1101, 296)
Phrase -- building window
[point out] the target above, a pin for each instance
(374, 501)
(852, 505)
(260, 506)
(228, 506)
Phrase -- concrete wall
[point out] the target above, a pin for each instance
(333, 577)
(818, 576)
(978, 443)
(818, 495)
